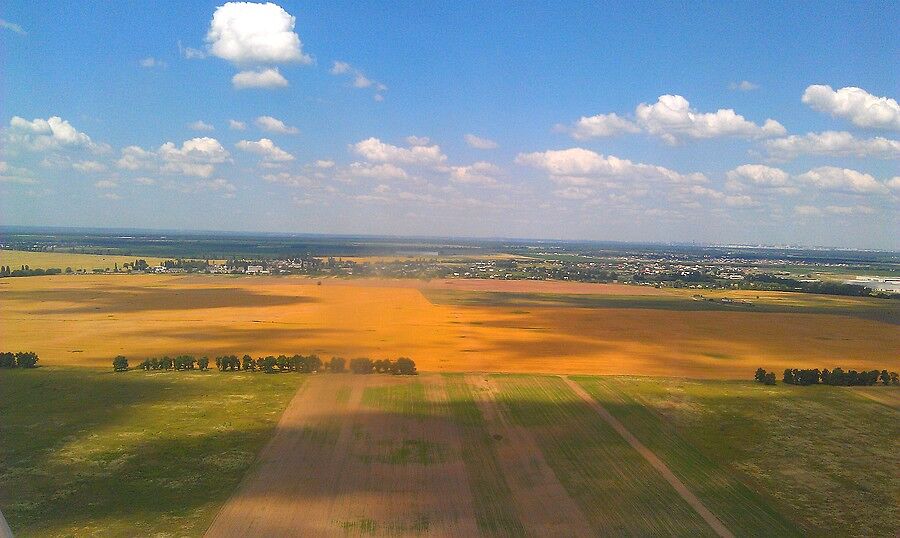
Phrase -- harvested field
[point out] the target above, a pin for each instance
(384, 462)
(86, 320)
(61, 260)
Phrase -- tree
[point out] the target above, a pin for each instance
(7, 360)
(361, 365)
(405, 366)
(337, 365)
(788, 376)
(120, 364)
(760, 375)
(203, 363)
(26, 359)
(770, 378)
(247, 363)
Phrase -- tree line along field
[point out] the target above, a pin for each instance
(87, 451)
(446, 325)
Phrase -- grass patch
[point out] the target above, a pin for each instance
(406, 399)
(91, 452)
(495, 510)
(744, 512)
(618, 491)
(825, 457)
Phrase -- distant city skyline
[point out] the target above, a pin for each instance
(741, 123)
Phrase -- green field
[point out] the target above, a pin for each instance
(86, 452)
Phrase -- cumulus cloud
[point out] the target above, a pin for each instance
(190, 53)
(672, 118)
(12, 27)
(14, 174)
(136, 158)
(264, 78)
(383, 171)
(479, 173)
(601, 125)
(222, 186)
(373, 149)
(89, 166)
(413, 140)
(833, 144)
(855, 104)
(250, 33)
(849, 210)
(274, 125)
(359, 79)
(196, 157)
(832, 178)
(106, 184)
(760, 175)
(236, 125)
(151, 62)
(807, 210)
(266, 149)
(743, 86)
(50, 134)
(325, 164)
(579, 166)
(200, 125)
(478, 142)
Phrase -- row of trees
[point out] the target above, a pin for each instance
(272, 364)
(27, 271)
(836, 377)
(22, 359)
(764, 377)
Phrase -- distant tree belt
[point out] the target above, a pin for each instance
(22, 359)
(837, 377)
(826, 288)
(6, 271)
(271, 364)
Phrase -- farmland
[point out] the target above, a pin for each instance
(460, 326)
(450, 455)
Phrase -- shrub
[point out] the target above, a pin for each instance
(405, 366)
(26, 359)
(7, 360)
(120, 364)
(361, 365)
(337, 365)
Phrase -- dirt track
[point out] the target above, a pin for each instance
(653, 460)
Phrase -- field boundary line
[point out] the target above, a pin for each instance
(653, 460)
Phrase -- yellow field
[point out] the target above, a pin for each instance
(88, 319)
(46, 260)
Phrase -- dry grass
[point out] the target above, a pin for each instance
(87, 320)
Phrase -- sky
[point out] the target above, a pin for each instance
(770, 123)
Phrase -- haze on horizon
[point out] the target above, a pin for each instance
(755, 123)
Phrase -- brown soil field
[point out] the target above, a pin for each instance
(88, 319)
(338, 466)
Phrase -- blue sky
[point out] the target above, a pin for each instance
(771, 123)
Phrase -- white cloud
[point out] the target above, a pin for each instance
(413, 140)
(743, 86)
(195, 157)
(13, 174)
(266, 149)
(144, 181)
(831, 178)
(106, 184)
(760, 175)
(50, 134)
(190, 53)
(894, 183)
(849, 210)
(579, 166)
(373, 149)
(478, 142)
(479, 173)
(360, 80)
(111, 196)
(13, 27)
(89, 166)
(151, 62)
(274, 125)
(324, 164)
(807, 210)
(383, 171)
(601, 125)
(834, 144)
(226, 188)
(856, 105)
(249, 33)
(265, 78)
(200, 125)
(136, 158)
(236, 125)
(672, 118)
(740, 200)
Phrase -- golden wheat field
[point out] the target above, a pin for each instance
(88, 319)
